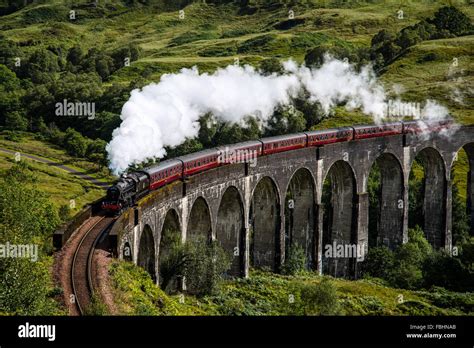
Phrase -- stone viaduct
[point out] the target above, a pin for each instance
(257, 213)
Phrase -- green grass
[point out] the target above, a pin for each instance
(265, 293)
(60, 185)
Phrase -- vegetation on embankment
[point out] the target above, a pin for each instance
(411, 280)
(27, 222)
(265, 293)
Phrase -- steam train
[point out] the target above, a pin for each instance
(133, 186)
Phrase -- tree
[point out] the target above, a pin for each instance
(381, 37)
(409, 260)
(271, 65)
(10, 99)
(15, 120)
(75, 55)
(453, 20)
(408, 37)
(8, 52)
(96, 152)
(286, 120)
(42, 64)
(75, 143)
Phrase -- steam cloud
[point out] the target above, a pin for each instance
(166, 113)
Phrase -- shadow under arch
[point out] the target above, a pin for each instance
(199, 222)
(146, 252)
(427, 195)
(170, 238)
(386, 205)
(230, 228)
(265, 225)
(300, 212)
(339, 220)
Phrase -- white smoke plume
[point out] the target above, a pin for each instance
(167, 113)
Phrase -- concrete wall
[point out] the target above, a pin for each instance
(251, 216)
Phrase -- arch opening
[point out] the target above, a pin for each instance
(300, 215)
(199, 223)
(146, 252)
(230, 229)
(462, 194)
(170, 239)
(265, 225)
(339, 239)
(427, 201)
(386, 206)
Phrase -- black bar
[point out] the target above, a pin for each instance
(289, 331)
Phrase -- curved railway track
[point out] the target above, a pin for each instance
(81, 275)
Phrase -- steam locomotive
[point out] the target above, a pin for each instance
(133, 186)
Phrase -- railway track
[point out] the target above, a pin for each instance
(81, 267)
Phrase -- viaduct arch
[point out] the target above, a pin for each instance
(247, 208)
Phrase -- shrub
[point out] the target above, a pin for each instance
(205, 266)
(173, 258)
(379, 262)
(256, 44)
(451, 19)
(295, 261)
(430, 57)
(409, 259)
(270, 66)
(64, 212)
(320, 299)
(202, 263)
(451, 272)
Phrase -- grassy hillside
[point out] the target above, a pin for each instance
(61, 186)
(210, 36)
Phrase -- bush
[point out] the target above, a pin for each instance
(409, 259)
(320, 299)
(13, 136)
(257, 44)
(430, 57)
(173, 258)
(75, 143)
(200, 262)
(271, 65)
(378, 263)
(443, 270)
(206, 263)
(295, 261)
(451, 19)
